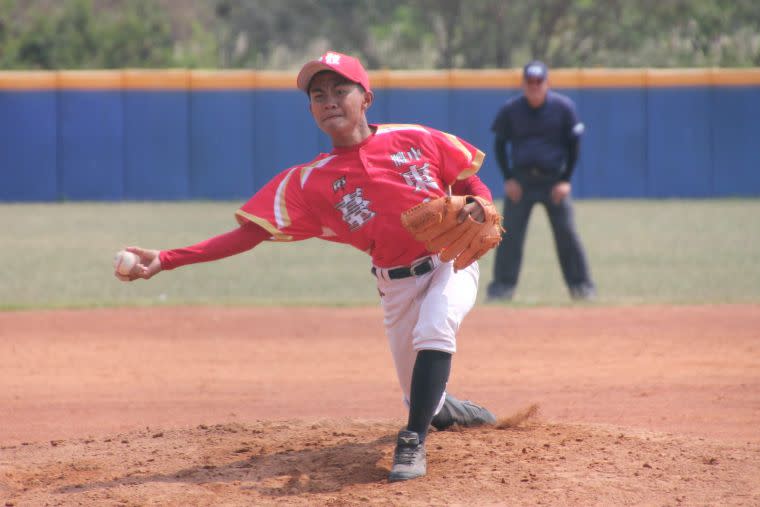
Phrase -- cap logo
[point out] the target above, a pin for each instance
(331, 59)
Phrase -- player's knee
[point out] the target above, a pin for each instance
(435, 337)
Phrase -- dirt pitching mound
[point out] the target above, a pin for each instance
(346, 462)
(259, 406)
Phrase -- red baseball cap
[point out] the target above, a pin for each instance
(347, 66)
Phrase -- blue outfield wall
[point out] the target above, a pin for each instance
(736, 143)
(221, 144)
(29, 164)
(90, 146)
(114, 144)
(678, 141)
(614, 160)
(157, 145)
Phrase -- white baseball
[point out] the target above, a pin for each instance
(124, 261)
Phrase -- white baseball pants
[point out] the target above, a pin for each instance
(424, 313)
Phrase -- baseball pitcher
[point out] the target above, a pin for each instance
(383, 189)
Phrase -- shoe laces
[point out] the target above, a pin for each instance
(405, 454)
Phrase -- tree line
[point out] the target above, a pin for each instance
(395, 34)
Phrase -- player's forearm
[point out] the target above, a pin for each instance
(230, 243)
(472, 186)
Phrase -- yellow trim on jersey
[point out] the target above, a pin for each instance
(280, 204)
(393, 127)
(305, 173)
(474, 167)
(456, 142)
(264, 224)
(307, 169)
(281, 216)
(475, 162)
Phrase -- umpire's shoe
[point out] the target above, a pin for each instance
(409, 458)
(463, 413)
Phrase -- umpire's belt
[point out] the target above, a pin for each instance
(538, 173)
(421, 267)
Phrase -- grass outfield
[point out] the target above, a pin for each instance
(641, 252)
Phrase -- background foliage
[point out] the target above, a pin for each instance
(400, 34)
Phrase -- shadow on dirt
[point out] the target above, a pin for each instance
(285, 473)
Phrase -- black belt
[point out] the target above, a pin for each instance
(537, 172)
(422, 267)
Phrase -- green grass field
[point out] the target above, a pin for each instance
(641, 252)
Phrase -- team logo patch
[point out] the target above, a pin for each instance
(330, 58)
(339, 184)
(355, 209)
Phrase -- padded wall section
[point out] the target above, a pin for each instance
(678, 136)
(156, 145)
(221, 144)
(91, 145)
(28, 151)
(120, 142)
(284, 133)
(429, 107)
(735, 140)
(613, 158)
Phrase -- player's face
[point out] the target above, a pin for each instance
(338, 105)
(535, 90)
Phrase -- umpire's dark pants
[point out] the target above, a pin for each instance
(509, 254)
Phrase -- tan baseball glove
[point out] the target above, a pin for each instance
(436, 223)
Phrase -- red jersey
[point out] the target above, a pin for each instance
(355, 195)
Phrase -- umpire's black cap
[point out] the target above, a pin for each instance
(535, 70)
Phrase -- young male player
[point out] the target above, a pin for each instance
(356, 195)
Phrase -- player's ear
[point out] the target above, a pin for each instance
(369, 98)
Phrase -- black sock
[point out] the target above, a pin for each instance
(429, 378)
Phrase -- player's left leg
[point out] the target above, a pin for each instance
(429, 377)
(401, 300)
(572, 257)
(446, 299)
(422, 317)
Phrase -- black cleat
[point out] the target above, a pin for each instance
(409, 458)
(463, 413)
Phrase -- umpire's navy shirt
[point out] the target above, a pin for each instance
(541, 138)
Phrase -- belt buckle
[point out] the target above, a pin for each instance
(413, 268)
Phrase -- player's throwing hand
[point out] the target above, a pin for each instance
(149, 265)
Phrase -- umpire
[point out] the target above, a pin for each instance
(542, 131)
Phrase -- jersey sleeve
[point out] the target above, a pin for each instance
(239, 240)
(280, 208)
(500, 125)
(458, 159)
(472, 186)
(575, 126)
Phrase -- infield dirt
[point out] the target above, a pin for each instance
(262, 406)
